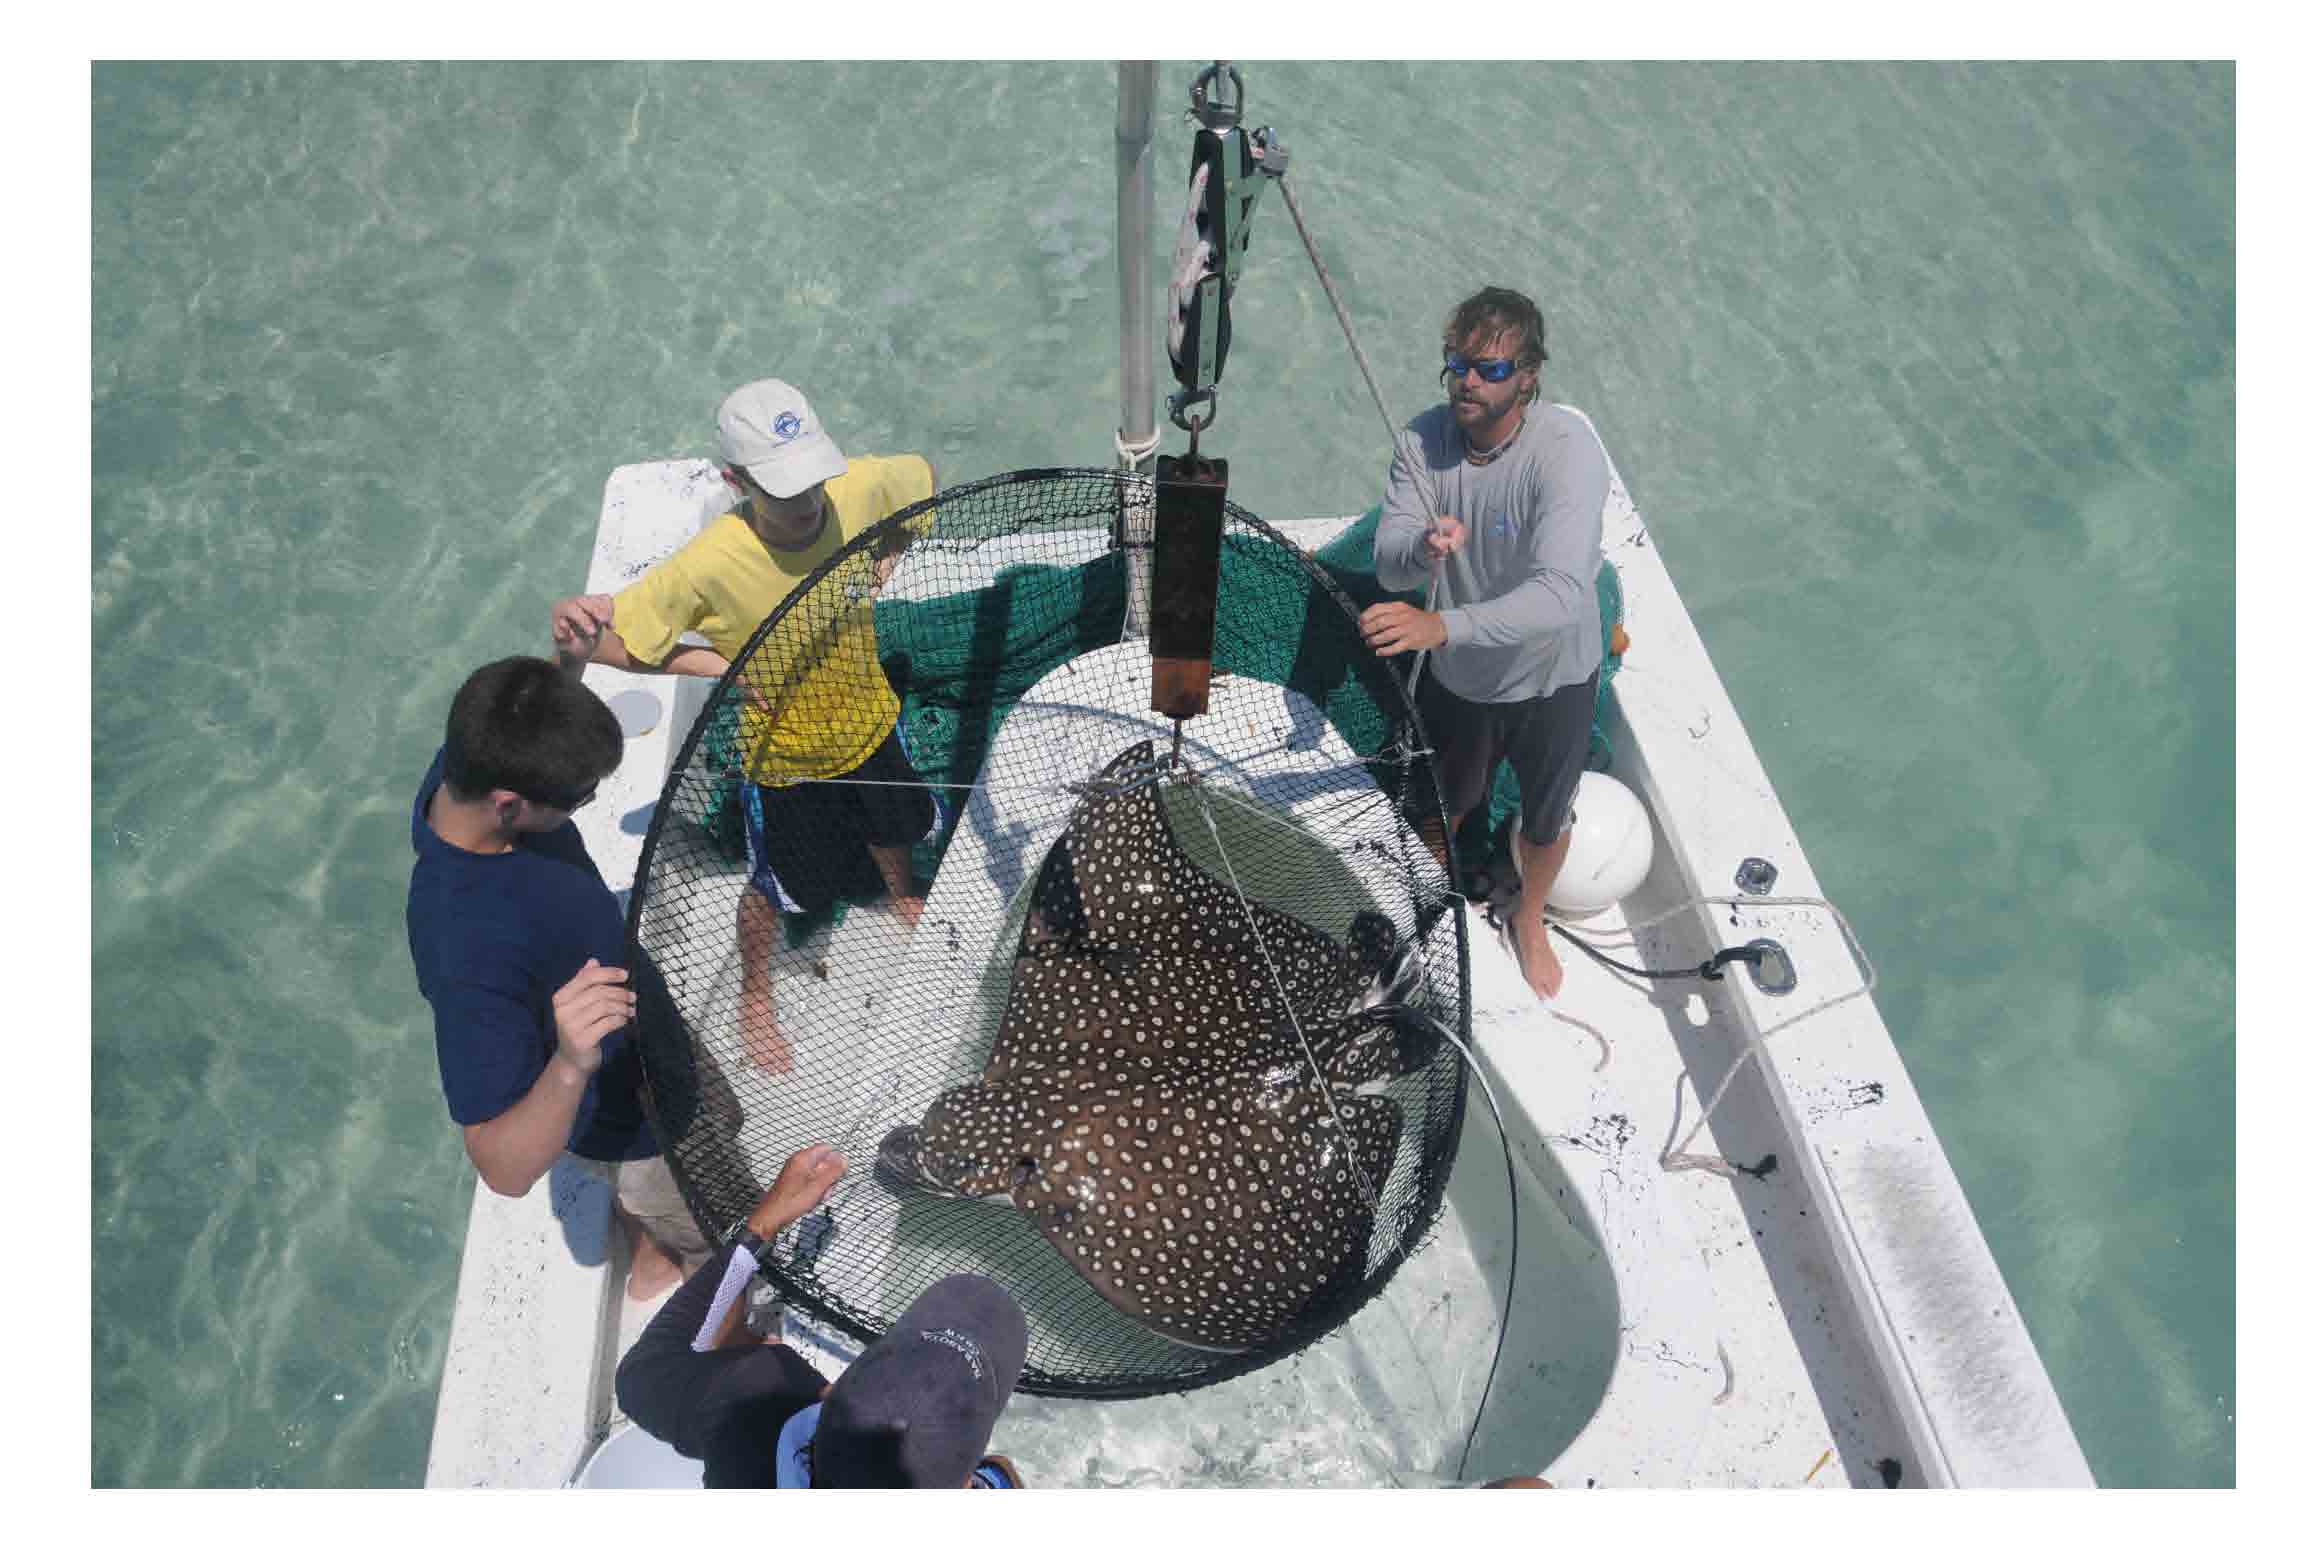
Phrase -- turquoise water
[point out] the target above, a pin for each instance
(1923, 376)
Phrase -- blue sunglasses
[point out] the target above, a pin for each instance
(1456, 366)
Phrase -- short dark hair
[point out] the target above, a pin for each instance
(1497, 310)
(523, 724)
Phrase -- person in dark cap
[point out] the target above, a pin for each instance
(916, 1409)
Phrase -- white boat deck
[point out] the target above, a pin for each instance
(1835, 1321)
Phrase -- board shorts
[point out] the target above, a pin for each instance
(1546, 739)
(809, 842)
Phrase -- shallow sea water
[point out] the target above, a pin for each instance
(1922, 375)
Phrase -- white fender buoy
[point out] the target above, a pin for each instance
(1612, 849)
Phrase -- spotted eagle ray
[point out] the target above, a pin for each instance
(1148, 1102)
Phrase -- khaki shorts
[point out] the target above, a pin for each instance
(648, 1191)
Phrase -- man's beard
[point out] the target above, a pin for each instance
(1489, 419)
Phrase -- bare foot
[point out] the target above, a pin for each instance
(651, 1271)
(910, 906)
(1541, 970)
(762, 1037)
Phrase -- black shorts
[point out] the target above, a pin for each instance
(809, 843)
(1546, 739)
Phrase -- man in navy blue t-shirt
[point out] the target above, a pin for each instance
(518, 946)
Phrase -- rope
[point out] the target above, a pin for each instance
(1353, 1154)
(1505, 931)
(1363, 363)
(1345, 323)
(1708, 969)
(1675, 1158)
(1134, 453)
(1603, 1044)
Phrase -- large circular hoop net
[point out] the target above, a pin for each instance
(1286, 824)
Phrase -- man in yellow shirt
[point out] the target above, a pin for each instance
(831, 805)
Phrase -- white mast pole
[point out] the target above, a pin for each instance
(1138, 438)
(1133, 238)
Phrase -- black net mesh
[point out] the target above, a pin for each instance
(1000, 632)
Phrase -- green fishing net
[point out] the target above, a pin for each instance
(973, 654)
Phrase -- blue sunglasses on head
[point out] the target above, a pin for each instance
(1456, 366)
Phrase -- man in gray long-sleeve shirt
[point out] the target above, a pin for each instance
(1499, 502)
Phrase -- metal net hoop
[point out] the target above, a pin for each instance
(994, 615)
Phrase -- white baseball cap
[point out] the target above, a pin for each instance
(769, 429)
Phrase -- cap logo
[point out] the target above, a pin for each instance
(962, 1343)
(786, 426)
